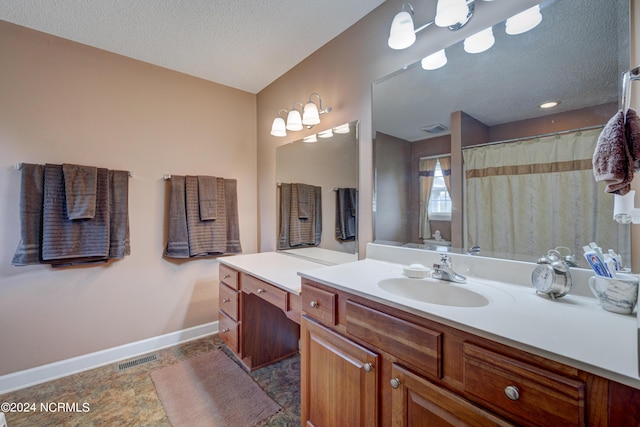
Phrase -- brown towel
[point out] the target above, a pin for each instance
(119, 245)
(305, 231)
(285, 216)
(31, 195)
(65, 239)
(205, 237)
(80, 190)
(207, 197)
(233, 224)
(633, 136)
(178, 241)
(346, 214)
(612, 159)
(306, 196)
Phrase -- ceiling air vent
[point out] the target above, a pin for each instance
(437, 128)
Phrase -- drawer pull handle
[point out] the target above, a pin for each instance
(226, 276)
(395, 382)
(512, 392)
(226, 300)
(260, 290)
(367, 367)
(225, 330)
(314, 304)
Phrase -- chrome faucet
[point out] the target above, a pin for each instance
(444, 271)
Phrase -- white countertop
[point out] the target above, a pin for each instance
(273, 267)
(573, 330)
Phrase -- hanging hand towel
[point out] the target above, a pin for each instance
(205, 237)
(178, 242)
(305, 200)
(233, 224)
(80, 190)
(119, 214)
(633, 136)
(65, 239)
(285, 216)
(207, 197)
(31, 194)
(612, 161)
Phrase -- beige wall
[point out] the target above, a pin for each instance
(65, 102)
(342, 72)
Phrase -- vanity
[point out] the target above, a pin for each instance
(519, 359)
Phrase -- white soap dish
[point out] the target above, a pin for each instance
(416, 271)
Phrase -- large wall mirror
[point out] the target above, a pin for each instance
(317, 180)
(465, 156)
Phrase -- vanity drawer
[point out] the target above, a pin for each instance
(229, 331)
(269, 293)
(319, 304)
(228, 276)
(228, 301)
(525, 393)
(415, 345)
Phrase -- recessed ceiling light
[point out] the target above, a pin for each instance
(549, 104)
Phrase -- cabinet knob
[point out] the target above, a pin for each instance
(367, 367)
(225, 330)
(260, 290)
(226, 276)
(225, 300)
(395, 382)
(512, 392)
(314, 304)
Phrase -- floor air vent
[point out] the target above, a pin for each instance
(136, 362)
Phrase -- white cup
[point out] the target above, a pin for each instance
(619, 294)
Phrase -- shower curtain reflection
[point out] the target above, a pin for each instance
(533, 195)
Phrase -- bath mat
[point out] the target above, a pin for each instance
(211, 390)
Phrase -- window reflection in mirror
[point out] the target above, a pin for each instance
(494, 96)
(317, 195)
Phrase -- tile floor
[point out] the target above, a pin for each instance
(128, 398)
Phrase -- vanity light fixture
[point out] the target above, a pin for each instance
(325, 133)
(402, 33)
(524, 21)
(344, 128)
(452, 13)
(294, 119)
(310, 138)
(279, 128)
(434, 61)
(311, 115)
(480, 41)
(307, 115)
(549, 104)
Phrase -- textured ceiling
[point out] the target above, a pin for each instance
(575, 56)
(245, 44)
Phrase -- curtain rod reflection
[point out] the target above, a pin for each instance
(333, 188)
(525, 138)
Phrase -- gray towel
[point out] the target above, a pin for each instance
(285, 216)
(306, 196)
(612, 159)
(64, 239)
(31, 195)
(305, 231)
(207, 197)
(80, 190)
(178, 241)
(205, 237)
(346, 214)
(233, 225)
(119, 245)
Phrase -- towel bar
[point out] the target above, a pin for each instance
(19, 166)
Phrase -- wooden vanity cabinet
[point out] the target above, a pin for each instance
(430, 374)
(259, 322)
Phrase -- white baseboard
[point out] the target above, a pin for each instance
(51, 371)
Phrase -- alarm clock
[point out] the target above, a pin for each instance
(552, 277)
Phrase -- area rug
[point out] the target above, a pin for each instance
(211, 390)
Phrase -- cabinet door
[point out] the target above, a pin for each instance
(417, 402)
(339, 379)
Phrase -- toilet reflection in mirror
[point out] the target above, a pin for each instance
(317, 180)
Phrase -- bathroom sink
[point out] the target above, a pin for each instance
(433, 292)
